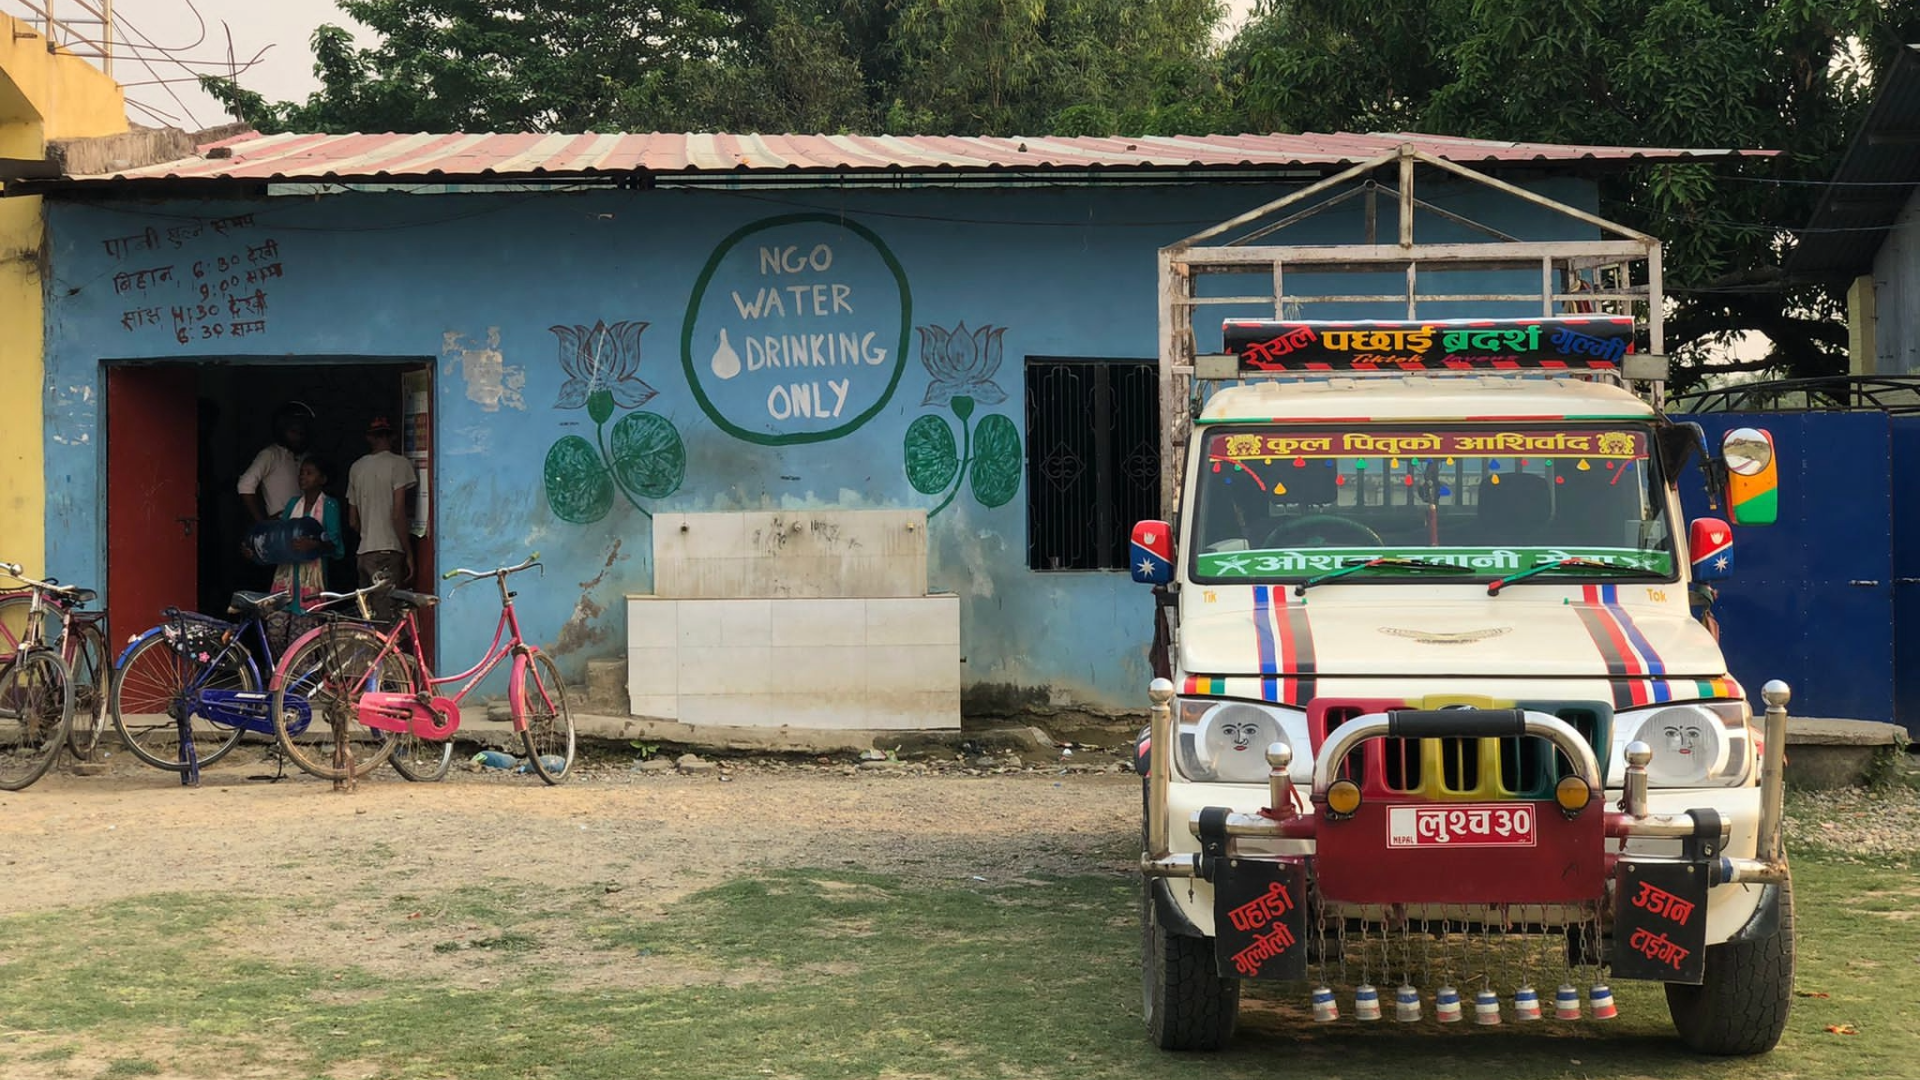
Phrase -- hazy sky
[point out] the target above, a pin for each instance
(285, 72)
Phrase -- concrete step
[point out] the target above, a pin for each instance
(1825, 752)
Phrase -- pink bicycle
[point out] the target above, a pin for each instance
(370, 691)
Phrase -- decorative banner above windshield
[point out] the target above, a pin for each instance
(1595, 343)
(1470, 442)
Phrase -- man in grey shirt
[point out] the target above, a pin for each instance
(377, 488)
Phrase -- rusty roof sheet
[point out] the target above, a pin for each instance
(443, 158)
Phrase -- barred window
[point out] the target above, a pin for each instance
(1093, 463)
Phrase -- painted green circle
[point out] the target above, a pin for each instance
(996, 460)
(648, 456)
(932, 457)
(700, 294)
(578, 487)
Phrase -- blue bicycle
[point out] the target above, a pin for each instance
(185, 691)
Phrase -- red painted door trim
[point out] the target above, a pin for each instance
(153, 531)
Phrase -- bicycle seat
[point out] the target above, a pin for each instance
(256, 603)
(413, 599)
(82, 596)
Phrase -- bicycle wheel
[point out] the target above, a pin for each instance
(15, 610)
(330, 667)
(546, 724)
(420, 760)
(155, 682)
(92, 681)
(35, 710)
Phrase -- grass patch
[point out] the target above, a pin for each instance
(861, 976)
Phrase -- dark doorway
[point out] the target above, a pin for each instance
(196, 478)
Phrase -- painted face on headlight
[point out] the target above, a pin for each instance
(1688, 745)
(1239, 736)
(1232, 741)
(1683, 738)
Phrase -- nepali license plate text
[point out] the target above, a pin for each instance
(1468, 825)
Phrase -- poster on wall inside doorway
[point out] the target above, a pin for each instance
(416, 426)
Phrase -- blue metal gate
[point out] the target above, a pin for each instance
(1820, 598)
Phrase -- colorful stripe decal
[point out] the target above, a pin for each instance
(1263, 688)
(1299, 636)
(1610, 596)
(1286, 646)
(1263, 634)
(1612, 646)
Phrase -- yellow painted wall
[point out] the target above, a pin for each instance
(43, 96)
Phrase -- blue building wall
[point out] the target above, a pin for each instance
(898, 300)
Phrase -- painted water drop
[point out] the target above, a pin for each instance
(726, 362)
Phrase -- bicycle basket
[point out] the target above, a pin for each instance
(195, 636)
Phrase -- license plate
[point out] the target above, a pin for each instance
(1461, 825)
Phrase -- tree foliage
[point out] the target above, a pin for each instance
(1003, 67)
(1788, 76)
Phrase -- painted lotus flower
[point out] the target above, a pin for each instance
(602, 357)
(962, 363)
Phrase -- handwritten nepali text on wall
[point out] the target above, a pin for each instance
(200, 281)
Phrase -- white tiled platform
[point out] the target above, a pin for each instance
(826, 663)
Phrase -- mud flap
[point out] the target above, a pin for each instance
(1260, 918)
(1660, 921)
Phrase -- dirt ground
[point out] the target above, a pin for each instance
(651, 837)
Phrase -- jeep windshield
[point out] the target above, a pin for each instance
(1287, 503)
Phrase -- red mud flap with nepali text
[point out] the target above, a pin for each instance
(1260, 918)
(1660, 921)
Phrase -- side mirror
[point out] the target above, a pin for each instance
(1710, 546)
(1753, 476)
(1151, 557)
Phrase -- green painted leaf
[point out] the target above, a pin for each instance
(578, 486)
(648, 455)
(996, 460)
(932, 458)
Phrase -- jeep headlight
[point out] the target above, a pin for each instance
(1707, 744)
(1226, 741)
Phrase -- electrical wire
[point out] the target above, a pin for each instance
(1819, 183)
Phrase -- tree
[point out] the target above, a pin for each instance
(953, 66)
(489, 65)
(1708, 73)
(1040, 67)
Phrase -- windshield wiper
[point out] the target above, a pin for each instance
(1578, 563)
(1354, 566)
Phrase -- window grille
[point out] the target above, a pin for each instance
(1093, 464)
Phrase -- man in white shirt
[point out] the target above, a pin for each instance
(274, 477)
(377, 488)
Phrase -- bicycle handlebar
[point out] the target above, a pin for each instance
(531, 561)
(54, 588)
(337, 597)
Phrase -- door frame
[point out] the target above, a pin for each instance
(429, 545)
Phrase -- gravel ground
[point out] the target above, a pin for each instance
(1857, 823)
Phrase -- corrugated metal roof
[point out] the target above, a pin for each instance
(479, 157)
(1872, 185)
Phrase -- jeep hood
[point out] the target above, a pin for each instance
(1266, 630)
